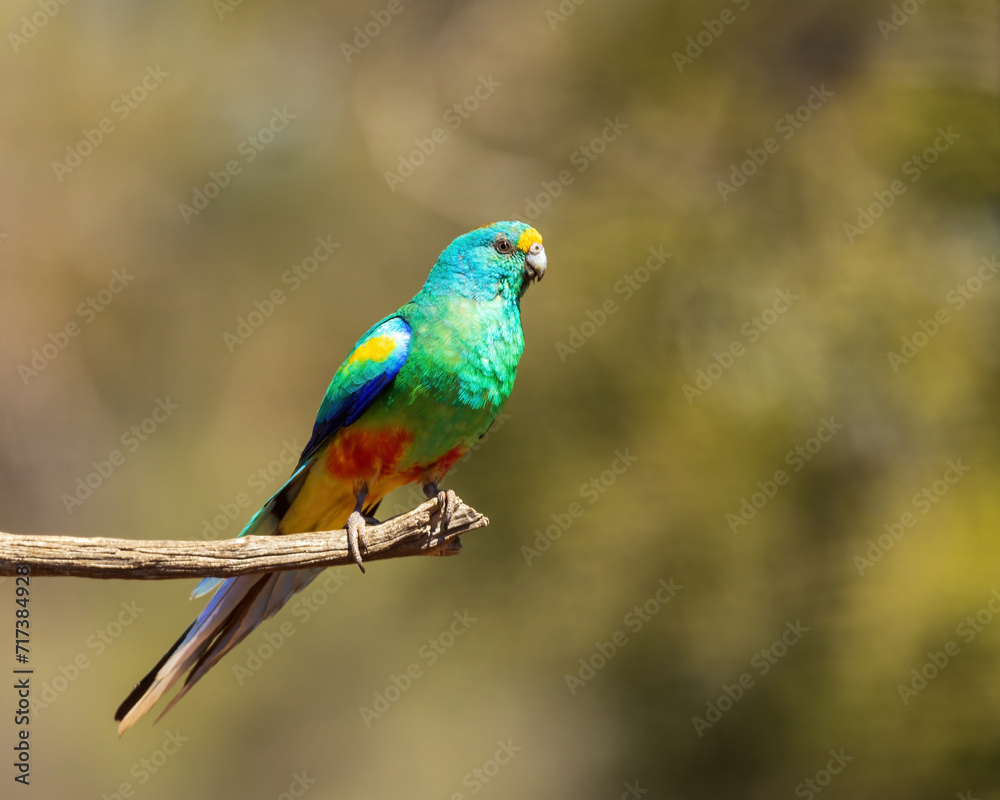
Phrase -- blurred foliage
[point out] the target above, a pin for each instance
(560, 74)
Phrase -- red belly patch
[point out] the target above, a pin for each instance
(441, 466)
(449, 459)
(366, 453)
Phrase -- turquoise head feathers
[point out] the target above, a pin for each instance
(498, 260)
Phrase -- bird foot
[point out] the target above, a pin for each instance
(356, 525)
(447, 502)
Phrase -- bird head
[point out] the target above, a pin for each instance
(498, 260)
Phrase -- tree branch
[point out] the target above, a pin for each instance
(415, 533)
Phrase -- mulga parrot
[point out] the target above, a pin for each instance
(416, 392)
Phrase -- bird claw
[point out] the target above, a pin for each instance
(356, 525)
(446, 507)
(447, 501)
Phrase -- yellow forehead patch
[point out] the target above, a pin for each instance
(376, 349)
(528, 238)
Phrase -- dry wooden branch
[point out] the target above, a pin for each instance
(418, 532)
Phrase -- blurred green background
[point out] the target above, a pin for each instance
(759, 145)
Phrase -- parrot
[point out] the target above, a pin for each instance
(415, 394)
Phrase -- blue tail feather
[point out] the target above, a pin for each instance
(239, 606)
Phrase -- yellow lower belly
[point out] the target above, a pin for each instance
(325, 502)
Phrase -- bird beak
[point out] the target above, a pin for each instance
(535, 262)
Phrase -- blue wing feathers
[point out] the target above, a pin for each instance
(355, 385)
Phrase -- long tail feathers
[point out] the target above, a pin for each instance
(239, 606)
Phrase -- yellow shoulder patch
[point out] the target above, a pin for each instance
(377, 348)
(528, 238)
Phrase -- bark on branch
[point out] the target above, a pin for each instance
(415, 533)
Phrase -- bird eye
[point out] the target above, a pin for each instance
(503, 246)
